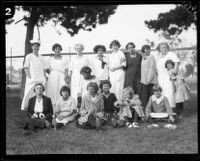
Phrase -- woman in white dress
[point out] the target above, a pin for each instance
(117, 62)
(163, 77)
(76, 63)
(35, 70)
(58, 66)
(100, 63)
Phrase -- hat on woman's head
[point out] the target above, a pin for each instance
(35, 41)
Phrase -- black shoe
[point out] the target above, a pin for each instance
(59, 125)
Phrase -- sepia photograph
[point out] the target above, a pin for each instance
(101, 78)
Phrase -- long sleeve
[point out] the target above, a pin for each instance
(151, 69)
(50, 109)
(168, 108)
(29, 109)
(148, 107)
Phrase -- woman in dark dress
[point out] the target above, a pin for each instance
(133, 67)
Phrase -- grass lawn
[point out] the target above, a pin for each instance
(71, 140)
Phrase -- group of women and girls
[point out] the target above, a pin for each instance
(119, 89)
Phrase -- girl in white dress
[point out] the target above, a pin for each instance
(65, 109)
(117, 62)
(58, 66)
(163, 76)
(35, 70)
(76, 63)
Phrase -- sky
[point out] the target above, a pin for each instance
(126, 25)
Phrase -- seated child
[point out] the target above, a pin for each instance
(109, 100)
(91, 114)
(130, 109)
(87, 78)
(158, 107)
(65, 109)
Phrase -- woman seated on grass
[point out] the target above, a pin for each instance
(92, 109)
(109, 100)
(130, 109)
(158, 108)
(65, 108)
(39, 112)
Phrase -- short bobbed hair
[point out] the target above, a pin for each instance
(128, 90)
(156, 88)
(130, 43)
(169, 61)
(86, 70)
(115, 42)
(39, 84)
(79, 45)
(148, 47)
(97, 47)
(94, 85)
(55, 46)
(65, 88)
(104, 82)
(162, 43)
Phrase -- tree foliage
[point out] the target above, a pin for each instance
(72, 17)
(173, 22)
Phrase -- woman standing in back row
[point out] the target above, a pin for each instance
(148, 75)
(76, 63)
(163, 77)
(58, 66)
(117, 62)
(133, 67)
(35, 70)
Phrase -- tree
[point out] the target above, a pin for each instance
(175, 21)
(71, 17)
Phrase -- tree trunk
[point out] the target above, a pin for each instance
(29, 36)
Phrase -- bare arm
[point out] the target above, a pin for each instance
(27, 72)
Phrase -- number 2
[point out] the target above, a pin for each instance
(8, 11)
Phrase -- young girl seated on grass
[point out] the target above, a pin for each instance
(181, 89)
(109, 100)
(130, 109)
(91, 114)
(158, 108)
(65, 109)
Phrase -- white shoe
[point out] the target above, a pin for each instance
(153, 125)
(135, 125)
(170, 126)
(129, 125)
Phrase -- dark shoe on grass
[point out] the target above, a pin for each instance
(59, 125)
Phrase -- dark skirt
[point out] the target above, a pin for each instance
(145, 91)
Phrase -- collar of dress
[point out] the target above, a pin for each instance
(158, 100)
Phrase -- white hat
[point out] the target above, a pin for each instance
(35, 41)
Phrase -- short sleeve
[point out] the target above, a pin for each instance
(27, 61)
